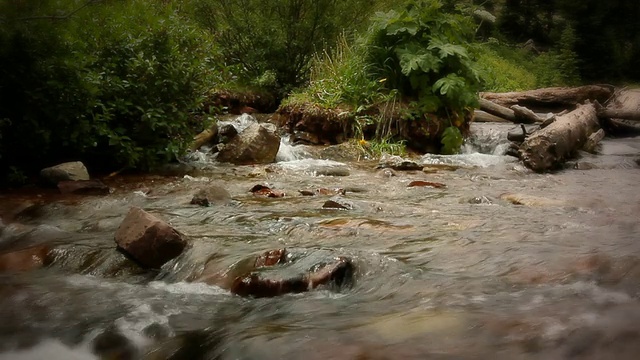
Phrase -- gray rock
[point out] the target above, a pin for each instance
(70, 171)
(210, 196)
(257, 144)
(147, 239)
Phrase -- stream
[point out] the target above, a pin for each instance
(502, 263)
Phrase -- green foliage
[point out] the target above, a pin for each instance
(378, 147)
(340, 76)
(278, 37)
(509, 68)
(422, 52)
(113, 85)
(451, 140)
(502, 73)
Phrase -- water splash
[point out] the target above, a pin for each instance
(289, 152)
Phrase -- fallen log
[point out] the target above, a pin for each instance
(549, 98)
(205, 137)
(517, 114)
(483, 116)
(550, 147)
(625, 104)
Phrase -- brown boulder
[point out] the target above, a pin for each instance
(25, 259)
(147, 239)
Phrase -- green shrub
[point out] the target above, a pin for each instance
(276, 39)
(114, 85)
(422, 52)
(340, 76)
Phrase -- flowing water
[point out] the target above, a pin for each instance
(502, 263)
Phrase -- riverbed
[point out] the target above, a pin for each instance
(502, 263)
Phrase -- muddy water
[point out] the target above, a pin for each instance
(500, 264)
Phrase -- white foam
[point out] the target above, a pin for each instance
(187, 288)
(50, 350)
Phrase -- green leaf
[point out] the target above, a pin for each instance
(447, 49)
(413, 57)
(451, 140)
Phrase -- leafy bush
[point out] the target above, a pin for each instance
(276, 39)
(114, 85)
(422, 52)
(340, 76)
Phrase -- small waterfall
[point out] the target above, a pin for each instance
(289, 152)
(485, 147)
(487, 138)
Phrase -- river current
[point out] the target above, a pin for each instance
(502, 263)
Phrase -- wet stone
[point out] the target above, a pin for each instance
(84, 187)
(25, 259)
(338, 202)
(397, 163)
(336, 274)
(111, 344)
(156, 331)
(420, 183)
(480, 200)
(213, 195)
(265, 191)
(147, 239)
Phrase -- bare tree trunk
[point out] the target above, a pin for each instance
(548, 148)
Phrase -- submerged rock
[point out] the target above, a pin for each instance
(338, 273)
(70, 171)
(397, 163)
(265, 191)
(421, 183)
(149, 240)
(25, 259)
(84, 187)
(213, 195)
(257, 144)
(111, 344)
(338, 202)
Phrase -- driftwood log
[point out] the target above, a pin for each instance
(621, 113)
(548, 148)
(517, 114)
(550, 98)
(483, 116)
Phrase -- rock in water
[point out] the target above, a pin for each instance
(26, 259)
(210, 196)
(397, 163)
(257, 144)
(84, 187)
(338, 202)
(70, 171)
(149, 240)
